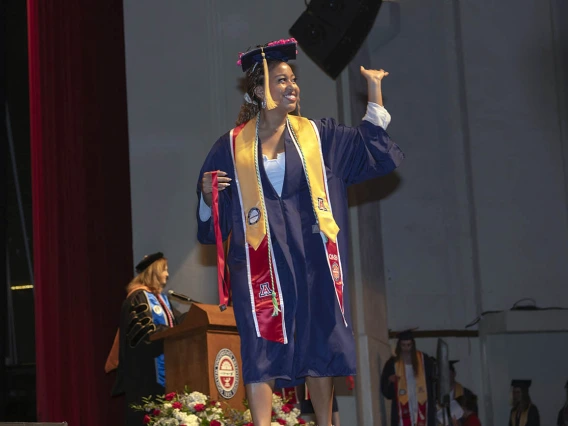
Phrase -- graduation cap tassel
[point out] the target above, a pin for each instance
(270, 104)
(275, 304)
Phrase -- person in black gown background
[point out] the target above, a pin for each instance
(407, 380)
(524, 412)
(141, 368)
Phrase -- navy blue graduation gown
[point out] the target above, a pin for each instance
(319, 342)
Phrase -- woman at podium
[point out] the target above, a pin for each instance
(282, 195)
(146, 310)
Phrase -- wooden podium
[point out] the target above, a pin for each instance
(204, 354)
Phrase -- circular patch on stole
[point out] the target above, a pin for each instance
(226, 373)
(336, 271)
(158, 310)
(253, 216)
(402, 392)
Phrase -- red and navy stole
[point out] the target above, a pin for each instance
(265, 291)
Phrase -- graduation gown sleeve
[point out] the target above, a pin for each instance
(467, 392)
(137, 318)
(387, 387)
(533, 416)
(219, 158)
(356, 154)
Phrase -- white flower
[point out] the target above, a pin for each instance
(213, 414)
(167, 422)
(194, 398)
(198, 397)
(167, 405)
(276, 402)
(186, 419)
(247, 417)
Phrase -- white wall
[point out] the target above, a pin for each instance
(480, 218)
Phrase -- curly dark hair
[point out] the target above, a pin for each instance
(255, 77)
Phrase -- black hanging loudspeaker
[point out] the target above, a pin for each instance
(331, 32)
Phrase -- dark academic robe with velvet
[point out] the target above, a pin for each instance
(319, 343)
(533, 417)
(389, 392)
(138, 375)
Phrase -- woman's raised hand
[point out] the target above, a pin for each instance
(373, 76)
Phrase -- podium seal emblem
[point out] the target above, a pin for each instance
(226, 372)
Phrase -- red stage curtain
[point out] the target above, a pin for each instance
(81, 203)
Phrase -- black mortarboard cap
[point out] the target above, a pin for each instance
(406, 334)
(452, 362)
(523, 384)
(147, 261)
(283, 50)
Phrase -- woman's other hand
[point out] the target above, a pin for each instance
(223, 182)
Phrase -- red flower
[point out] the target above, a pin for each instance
(156, 412)
(199, 407)
(212, 402)
(281, 421)
(146, 419)
(249, 424)
(177, 404)
(286, 408)
(301, 421)
(273, 413)
(215, 423)
(170, 396)
(278, 394)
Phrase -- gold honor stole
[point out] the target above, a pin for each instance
(421, 393)
(264, 284)
(523, 419)
(458, 390)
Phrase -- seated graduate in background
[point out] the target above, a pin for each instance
(524, 412)
(563, 414)
(457, 388)
(468, 403)
(146, 310)
(407, 380)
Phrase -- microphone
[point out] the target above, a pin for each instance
(181, 296)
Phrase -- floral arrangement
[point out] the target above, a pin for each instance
(184, 409)
(197, 409)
